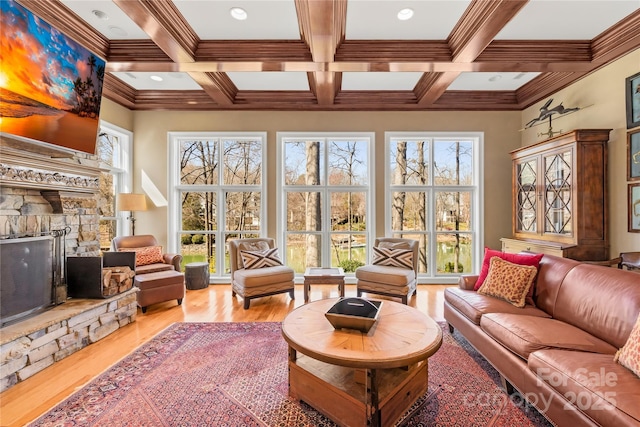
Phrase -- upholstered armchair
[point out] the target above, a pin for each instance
(158, 275)
(394, 269)
(166, 262)
(256, 270)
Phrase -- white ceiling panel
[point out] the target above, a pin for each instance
(211, 20)
(566, 19)
(248, 80)
(170, 81)
(106, 17)
(377, 19)
(380, 81)
(491, 81)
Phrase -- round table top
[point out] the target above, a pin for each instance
(401, 336)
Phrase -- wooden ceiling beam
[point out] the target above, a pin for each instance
(342, 67)
(217, 85)
(322, 28)
(432, 86)
(479, 24)
(618, 40)
(118, 91)
(543, 86)
(168, 29)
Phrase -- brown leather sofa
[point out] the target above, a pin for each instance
(559, 353)
(159, 281)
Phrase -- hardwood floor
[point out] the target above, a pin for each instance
(28, 400)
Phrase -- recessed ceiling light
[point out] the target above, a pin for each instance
(100, 14)
(495, 78)
(405, 14)
(156, 78)
(238, 13)
(117, 31)
(192, 102)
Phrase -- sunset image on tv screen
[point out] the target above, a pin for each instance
(50, 86)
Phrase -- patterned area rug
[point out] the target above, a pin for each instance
(235, 374)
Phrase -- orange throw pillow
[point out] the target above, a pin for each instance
(508, 281)
(629, 355)
(146, 255)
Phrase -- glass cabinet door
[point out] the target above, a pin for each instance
(557, 193)
(526, 192)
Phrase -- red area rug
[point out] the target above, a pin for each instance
(235, 374)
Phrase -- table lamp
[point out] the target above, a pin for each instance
(131, 202)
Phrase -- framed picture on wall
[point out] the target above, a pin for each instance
(633, 100)
(633, 156)
(634, 208)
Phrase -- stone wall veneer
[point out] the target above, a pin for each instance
(34, 344)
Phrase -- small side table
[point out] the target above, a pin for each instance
(325, 276)
(196, 275)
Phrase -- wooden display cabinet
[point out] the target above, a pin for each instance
(560, 196)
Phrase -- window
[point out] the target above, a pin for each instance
(433, 196)
(218, 187)
(326, 201)
(114, 154)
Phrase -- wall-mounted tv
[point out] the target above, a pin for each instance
(50, 86)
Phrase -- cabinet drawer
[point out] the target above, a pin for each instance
(514, 246)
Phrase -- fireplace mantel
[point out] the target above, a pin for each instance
(24, 168)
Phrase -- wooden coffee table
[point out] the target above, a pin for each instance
(356, 378)
(323, 276)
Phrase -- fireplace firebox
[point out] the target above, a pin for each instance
(31, 275)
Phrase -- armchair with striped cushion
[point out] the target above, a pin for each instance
(393, 271)
(256, 270)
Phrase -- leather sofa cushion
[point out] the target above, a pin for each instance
(473, 305)
(158, 279)
(263, 276)
(153, 268)
(526, 334)
(592, 382)
(394, 276)
(608, 309)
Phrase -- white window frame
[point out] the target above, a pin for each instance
(174, 228)
(477, 191)
(326, 189)
(122, 169)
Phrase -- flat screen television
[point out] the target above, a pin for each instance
(50, 86)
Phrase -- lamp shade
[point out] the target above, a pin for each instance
(131, 202)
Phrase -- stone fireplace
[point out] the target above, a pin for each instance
(45, 191)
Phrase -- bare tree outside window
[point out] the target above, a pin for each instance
(446, 179)
(215, 172)
(337, 229)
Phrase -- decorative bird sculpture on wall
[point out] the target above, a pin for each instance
(548, 113)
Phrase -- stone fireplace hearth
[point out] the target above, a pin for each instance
(42, 190)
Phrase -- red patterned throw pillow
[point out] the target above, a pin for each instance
(260, 259)
(146, 255)
(402, 258)
(508, 281)
(521, 259)
(629, 355)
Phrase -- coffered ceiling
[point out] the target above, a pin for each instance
(344, 54)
